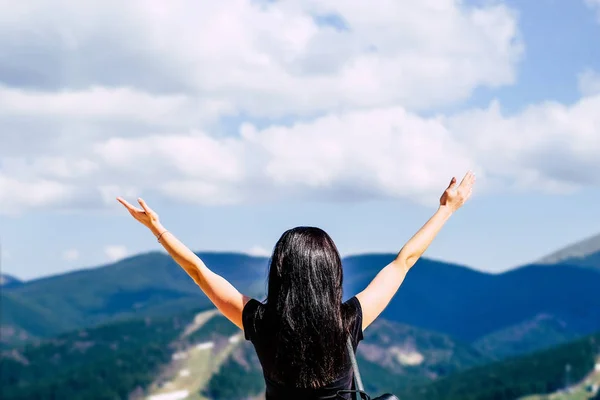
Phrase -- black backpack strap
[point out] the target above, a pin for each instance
(360, 393)
(357, 378)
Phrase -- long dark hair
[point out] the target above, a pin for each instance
(304, 305)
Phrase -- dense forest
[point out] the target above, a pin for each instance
(234, 381)
(541, 372)
(112, 361)
(108, 362)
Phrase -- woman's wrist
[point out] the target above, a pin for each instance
(157, 229)
(446, 210)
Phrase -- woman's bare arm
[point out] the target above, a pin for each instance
(375, 298)
(377, 295)
(222, 293)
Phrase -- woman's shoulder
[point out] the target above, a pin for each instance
(252, 305)
(352, 311)
(252, 310)
(353, 304)
(251, 315)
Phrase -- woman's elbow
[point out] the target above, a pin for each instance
(404, 263)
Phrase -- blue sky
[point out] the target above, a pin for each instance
(236, 122)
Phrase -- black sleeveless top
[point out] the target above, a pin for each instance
(253, 326)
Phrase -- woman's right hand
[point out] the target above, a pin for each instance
(145, 215)
(456, 195)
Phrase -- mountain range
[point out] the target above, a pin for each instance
(9, 281)
(201, 355)
(507, 312)
(146, 284)
(134, 327)
(585, 253)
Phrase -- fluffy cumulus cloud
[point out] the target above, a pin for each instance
(549, 146)
(259, 251)
(115, 252)
(244, 101)
(260, 58)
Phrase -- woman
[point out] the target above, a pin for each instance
(300, 331)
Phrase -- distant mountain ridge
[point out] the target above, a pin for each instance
(584, 253)
(468, 304)
(9, 281)
(454, 300)
(146, 284)
(542, 331)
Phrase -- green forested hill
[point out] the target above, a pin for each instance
(107, 362)
(116, 359)
(522, 304)
(147, 284)
(391, 355)
(540, 372)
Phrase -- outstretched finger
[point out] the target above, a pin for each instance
(468, 179)
(452, 183)
(472, 179)
(144, 205)
(127, 205)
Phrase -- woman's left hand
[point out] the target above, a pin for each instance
(145, 215)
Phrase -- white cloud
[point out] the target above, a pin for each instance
(117, 99)
(264, 59)
(371, 153)
(116, 105)
(386, 152)
(115, 252)
(549, 146)
(589, 82)
(382, 153)
(71, 255)
(259, 251)
(49, 167)
(17, 194)
(377, 153)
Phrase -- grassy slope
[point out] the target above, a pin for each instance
(199, 364)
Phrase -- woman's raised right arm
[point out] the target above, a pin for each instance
(377, 295)
(222, 293)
